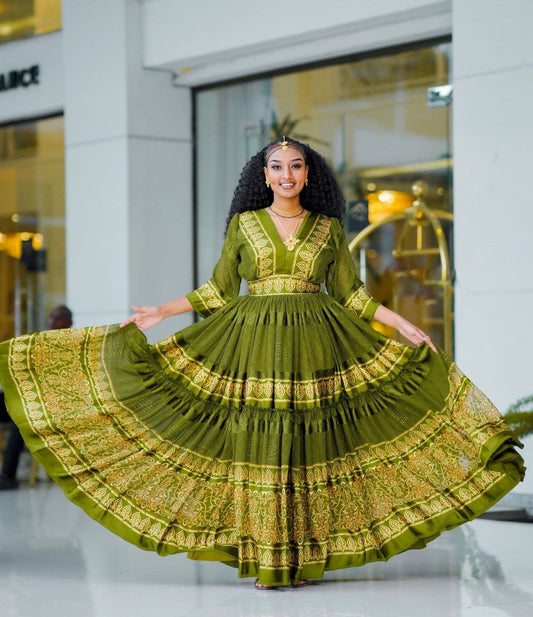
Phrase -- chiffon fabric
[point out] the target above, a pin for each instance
(281, 435)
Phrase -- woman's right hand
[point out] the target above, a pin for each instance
(144, 317)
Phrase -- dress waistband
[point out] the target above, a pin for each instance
(282, 284)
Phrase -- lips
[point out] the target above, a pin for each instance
(288, 185)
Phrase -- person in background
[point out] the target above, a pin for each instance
(59, 317)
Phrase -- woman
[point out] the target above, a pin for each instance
(281, 435)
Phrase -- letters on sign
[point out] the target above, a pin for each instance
(11, 80)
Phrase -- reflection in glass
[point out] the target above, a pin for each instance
(418, 279)
(23, 18)
(32, 224)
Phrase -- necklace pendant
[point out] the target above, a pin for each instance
(291, 242)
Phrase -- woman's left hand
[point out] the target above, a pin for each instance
(414, 335)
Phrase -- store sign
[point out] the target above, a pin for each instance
(24, 78)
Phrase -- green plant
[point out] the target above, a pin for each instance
(286, 126)
(519, 416)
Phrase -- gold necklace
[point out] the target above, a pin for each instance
(288, 216)
(291, 240)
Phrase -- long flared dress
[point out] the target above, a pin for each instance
(281, 435)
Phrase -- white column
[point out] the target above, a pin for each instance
(128, 169)
(493, 133)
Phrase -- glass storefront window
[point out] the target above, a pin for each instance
(32, 224)
(23, 18)
(370, 118)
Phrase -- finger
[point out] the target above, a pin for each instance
(429, 343)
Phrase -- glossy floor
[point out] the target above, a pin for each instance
(55, 562)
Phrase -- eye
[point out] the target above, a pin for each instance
(275, 167)
(297, 166)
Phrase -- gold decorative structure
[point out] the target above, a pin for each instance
(382, 204)
(429, 243)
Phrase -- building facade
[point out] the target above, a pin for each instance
(150, 107)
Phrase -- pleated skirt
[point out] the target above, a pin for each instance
(282, 436)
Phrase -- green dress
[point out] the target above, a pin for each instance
(281, 435)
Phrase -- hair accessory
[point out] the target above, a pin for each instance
(284, 145)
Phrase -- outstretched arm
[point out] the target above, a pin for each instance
(405, 328)
(344, 285)
(207, 299)
(148, 316)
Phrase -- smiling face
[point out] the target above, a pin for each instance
(286, 171)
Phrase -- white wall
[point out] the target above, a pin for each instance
(128, 169)
(206, 41)
(35, 100)
(493, 133)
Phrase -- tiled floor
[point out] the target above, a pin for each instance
(55, 562)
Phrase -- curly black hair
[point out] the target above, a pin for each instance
(322, 195)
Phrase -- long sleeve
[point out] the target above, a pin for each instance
(342, 281)
(225, 282)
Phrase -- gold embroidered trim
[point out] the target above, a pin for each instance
(309, 250)
(298, 394)
(281, 284)
(209, 296)
(261, 243)
(359, 301)
(371, 495)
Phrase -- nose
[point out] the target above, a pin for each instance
(286, 173)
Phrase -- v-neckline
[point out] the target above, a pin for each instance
(276, 231)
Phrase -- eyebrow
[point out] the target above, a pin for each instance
(292, 160)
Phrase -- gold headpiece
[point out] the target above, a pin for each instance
(283, 145)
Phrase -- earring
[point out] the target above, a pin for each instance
(306, 181)
(267, 182)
